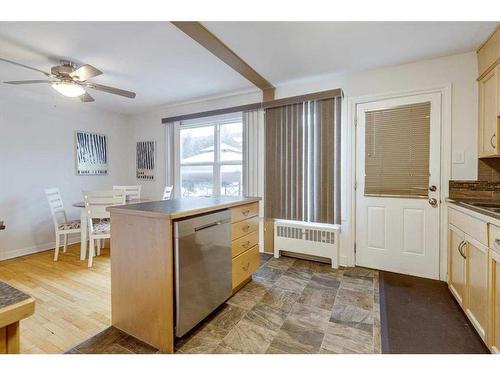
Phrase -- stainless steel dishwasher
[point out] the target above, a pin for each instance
(202, 267)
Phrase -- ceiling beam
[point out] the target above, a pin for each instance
(209, 41)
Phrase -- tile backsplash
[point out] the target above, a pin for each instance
(486, 187)
(488, 169)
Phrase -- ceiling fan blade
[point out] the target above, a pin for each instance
(28, 82)
(111, 90)
(85, 72)
(86, 98)
(25, 66)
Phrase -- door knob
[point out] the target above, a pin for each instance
(433, 202)
(432, 188)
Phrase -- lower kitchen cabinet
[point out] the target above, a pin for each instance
(474, 273)
(494, 337)
(456, 263)
(476, 306)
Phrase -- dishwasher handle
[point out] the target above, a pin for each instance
(206, 226)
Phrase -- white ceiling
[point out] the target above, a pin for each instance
(162, 65)
(154, 59)
(284, 51)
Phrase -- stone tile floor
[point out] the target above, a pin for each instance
(290, 306)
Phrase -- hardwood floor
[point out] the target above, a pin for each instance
(73, 302)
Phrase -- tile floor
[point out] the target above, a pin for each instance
(290, 306)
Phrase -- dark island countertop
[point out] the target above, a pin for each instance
(182, 207)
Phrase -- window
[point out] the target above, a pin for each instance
(211, 157)
(397, 151)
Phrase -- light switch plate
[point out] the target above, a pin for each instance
(459, 157)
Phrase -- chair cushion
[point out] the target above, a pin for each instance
(75, 224)
(102, 226)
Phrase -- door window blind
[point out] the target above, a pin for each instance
(397, 151)
(302, 161)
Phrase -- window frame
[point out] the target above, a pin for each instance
(216, 122)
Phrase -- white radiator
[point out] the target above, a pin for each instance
(313, 239)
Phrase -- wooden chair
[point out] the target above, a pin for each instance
(132, 192)
(167, 193)
(99, 225)
(62, 226)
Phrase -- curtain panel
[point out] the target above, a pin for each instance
(253, 160)
(171, 156)
(253, 153)
(302, 161)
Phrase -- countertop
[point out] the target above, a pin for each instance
(486, 215)
(14, 304)
(10, 295)
(183, 207)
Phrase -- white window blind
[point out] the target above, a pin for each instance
(397, 151)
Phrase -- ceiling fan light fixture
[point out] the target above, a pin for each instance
(68, 89)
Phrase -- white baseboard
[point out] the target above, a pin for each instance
(33, 249)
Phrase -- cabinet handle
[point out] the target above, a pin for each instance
(460, 246)
(246, 244)
(246, 212)
(497, 242)
(245, 268)
(491, 141)
(246, 228)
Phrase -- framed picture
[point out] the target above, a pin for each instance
(91, 154)
(145, 160)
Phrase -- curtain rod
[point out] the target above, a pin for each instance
(261, 105)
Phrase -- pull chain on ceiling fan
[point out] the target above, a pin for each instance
(71, 81)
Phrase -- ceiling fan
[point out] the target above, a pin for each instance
(71, 81)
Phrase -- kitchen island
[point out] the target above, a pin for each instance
(142, 260)
(14, 306)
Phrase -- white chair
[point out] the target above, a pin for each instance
(132, 192)
(99, 225)
(167, 193)
(62, 227)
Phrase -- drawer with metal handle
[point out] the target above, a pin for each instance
(244, 227)
(244, 212)
(244, 243)
(244, 265)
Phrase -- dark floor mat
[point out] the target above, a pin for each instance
(421, 316)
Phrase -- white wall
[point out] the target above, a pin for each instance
(37, 149)
(459, 70)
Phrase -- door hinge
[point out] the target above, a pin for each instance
(354, 247)
(355, 122)
(355, 185)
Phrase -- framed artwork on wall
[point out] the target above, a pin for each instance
(145, 160)
(91, 154)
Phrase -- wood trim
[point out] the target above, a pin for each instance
(268, 94)
(209, 41)
(303, 98)
(215, 112)
(489, 37)
(487, 71)
(265, 104)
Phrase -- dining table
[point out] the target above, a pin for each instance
(84, 223)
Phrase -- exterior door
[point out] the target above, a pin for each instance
(398, 184)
